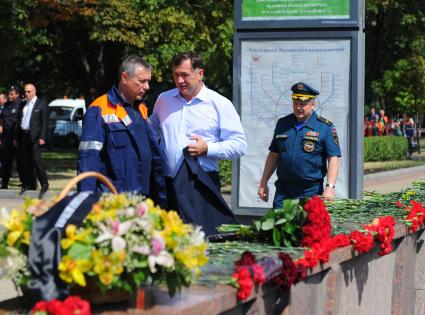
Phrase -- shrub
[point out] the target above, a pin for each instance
(225, 171)
(384, 148)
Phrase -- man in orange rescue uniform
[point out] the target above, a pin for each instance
(117, 140)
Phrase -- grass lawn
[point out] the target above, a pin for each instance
(61, 165)
(373, 167)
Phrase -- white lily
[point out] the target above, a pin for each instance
(114, 234)
(164, 259)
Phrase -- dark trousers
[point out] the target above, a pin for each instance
(31, 159)
(8, 153)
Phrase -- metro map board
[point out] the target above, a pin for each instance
(257, 10)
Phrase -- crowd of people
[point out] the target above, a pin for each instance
(23, 130)
(378, 124)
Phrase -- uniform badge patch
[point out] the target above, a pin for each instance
(308, 146)
(335, 136)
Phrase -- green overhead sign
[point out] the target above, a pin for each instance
(253, 10)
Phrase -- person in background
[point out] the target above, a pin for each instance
(305, 149)
(383, 123)
(3, 100)
(373, 115)
(118, 142)
(9, 119)
(30, 135)
(408, 126)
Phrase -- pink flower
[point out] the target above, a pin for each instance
(158, 245)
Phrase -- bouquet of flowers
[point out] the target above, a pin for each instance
(123, 242)
(15, 233)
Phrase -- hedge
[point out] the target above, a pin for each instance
(385, 148)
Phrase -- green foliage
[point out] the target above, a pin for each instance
(225, 172)
(66, 47)
(395, 55)
(282, 226)
(384, 148)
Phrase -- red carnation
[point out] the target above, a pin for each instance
(362, 242)
(259, 276)
(341, 240)
(247, 259)
(244, 282)
(77, 305)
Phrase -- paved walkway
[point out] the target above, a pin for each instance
(383, 182)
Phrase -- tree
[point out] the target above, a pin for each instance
(70, 46)
(395, 33)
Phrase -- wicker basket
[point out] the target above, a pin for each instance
(45, 205)
(91, 292)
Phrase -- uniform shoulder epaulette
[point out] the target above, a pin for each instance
(323, 119)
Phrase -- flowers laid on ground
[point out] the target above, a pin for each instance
(72, 305)
(248, 272)
(281, 227)
(317, 238)
(126, 241)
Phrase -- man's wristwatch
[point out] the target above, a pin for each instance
(330, 185)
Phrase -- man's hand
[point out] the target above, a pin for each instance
(329, 193)
(41, 142)
(263, 192)
(198, 148)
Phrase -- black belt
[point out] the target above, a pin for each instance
(26, 132)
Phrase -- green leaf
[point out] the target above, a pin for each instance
(268, 224)
(257, 225)
(289, 228)
(79, 251)
(280, 221)
(276, 237)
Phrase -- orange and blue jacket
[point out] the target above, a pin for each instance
(118, 142)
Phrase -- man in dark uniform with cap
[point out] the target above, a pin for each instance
(9, 119)
(304, 149)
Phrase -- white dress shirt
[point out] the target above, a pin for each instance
(208, 115)
(26, 113)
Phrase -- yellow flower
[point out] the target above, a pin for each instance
(96, 213)
(193, 257)
(71, 237)
(173, 227)
(73, 270)
(108, 266)
(14, 222)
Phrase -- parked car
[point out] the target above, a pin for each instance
(66, 121)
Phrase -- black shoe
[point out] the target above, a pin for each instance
(42, 192)
(23, 189)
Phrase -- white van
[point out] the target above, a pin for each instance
(66, 121)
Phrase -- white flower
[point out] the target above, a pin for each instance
(114, 233)
(164, 259)
(130, 212)
(143, 250)
(13, 264)
(198, 236)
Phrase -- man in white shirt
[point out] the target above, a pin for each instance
(30, 135)
(193, 115)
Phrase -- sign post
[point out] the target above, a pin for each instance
(273, 50)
